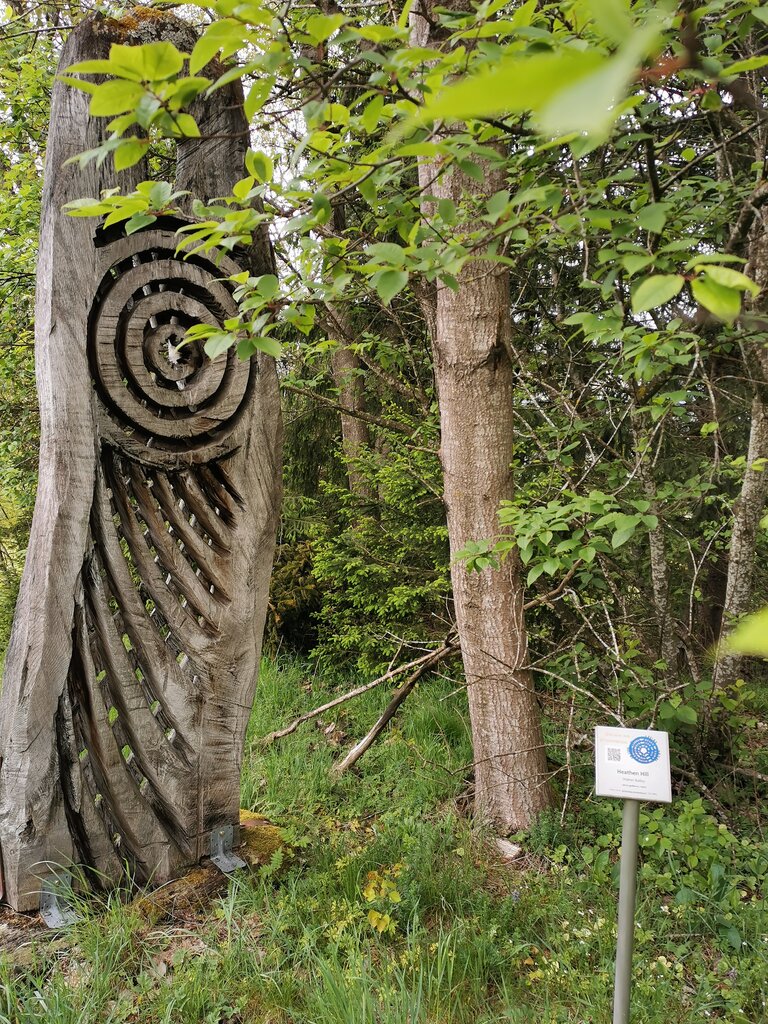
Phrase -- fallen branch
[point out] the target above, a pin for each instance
(431, 658)
(397, 699)
(750, 773)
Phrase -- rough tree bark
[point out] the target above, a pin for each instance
(132, 664)
(347, 376)
(474, 376)
(750, 506)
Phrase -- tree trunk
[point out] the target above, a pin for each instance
(660, 580)
(347, 373)
(748, 511)
(750, 505)
(474, 378)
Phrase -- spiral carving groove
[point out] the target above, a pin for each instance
(160, 394)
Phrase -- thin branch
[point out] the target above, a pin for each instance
(381, 723)
(431, 658)
(378, 421)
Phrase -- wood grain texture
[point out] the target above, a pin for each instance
(134, 654)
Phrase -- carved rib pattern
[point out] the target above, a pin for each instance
(155, 587)
(157, 580)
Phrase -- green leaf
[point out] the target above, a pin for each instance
(263, 343)
(372, 113)
(129, 152)
(534, 573)
(160, 194)
(77, 83)
(388, 283)
(186, 90)
(612, 18)
(709, 257)
(86, 208)
(724, 303)
(627, 529)
(145, 112)
(729, 278)
(591, 104)
(711, 100)
(686, 714)
(633, 262)
(159, 60)
(186, 126)
(446, 208)
(321, 208)
(268, 286)
(751, 635)
(259, 165)
(740, 66)
(376, 33)
(217, 343)
(655, 291)
(320, 27)
(225, 36)
(498, 203)
(258, 94)
(653, 217)
(387, 253)
(512, 84)
(115, 97)
(139, 221)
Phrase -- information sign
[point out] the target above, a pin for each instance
(632, 764)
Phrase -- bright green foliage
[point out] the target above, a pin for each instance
(383, 566)
(751, 637)
(145, 89)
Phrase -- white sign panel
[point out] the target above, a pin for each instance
(632, 764)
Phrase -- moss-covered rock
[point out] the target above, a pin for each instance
(260, 839)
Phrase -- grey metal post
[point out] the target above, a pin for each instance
(626, 927)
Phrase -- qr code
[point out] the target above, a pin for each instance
(614, 753)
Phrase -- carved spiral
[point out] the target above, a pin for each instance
(159, 394)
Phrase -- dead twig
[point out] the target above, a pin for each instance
(431, 658)
(750, 773)
(398, 697)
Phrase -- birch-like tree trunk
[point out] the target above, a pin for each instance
(750, 506)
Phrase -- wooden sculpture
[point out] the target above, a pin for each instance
(133, 660)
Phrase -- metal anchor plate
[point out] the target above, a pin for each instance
(56, 901)
(222, 840)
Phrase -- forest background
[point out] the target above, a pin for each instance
(600, 254)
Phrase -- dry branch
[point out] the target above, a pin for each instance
(397, 699)
(431, 658)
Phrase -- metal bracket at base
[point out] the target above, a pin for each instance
(222, 840)
(55, 906)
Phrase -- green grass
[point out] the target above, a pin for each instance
(466, 939)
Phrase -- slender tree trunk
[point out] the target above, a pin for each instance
(474, 377)
(660, 579)
(751, 503)
(347, 373)
(748, 511)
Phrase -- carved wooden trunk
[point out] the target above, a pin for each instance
(134, 654)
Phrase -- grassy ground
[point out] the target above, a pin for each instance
(394, 909)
